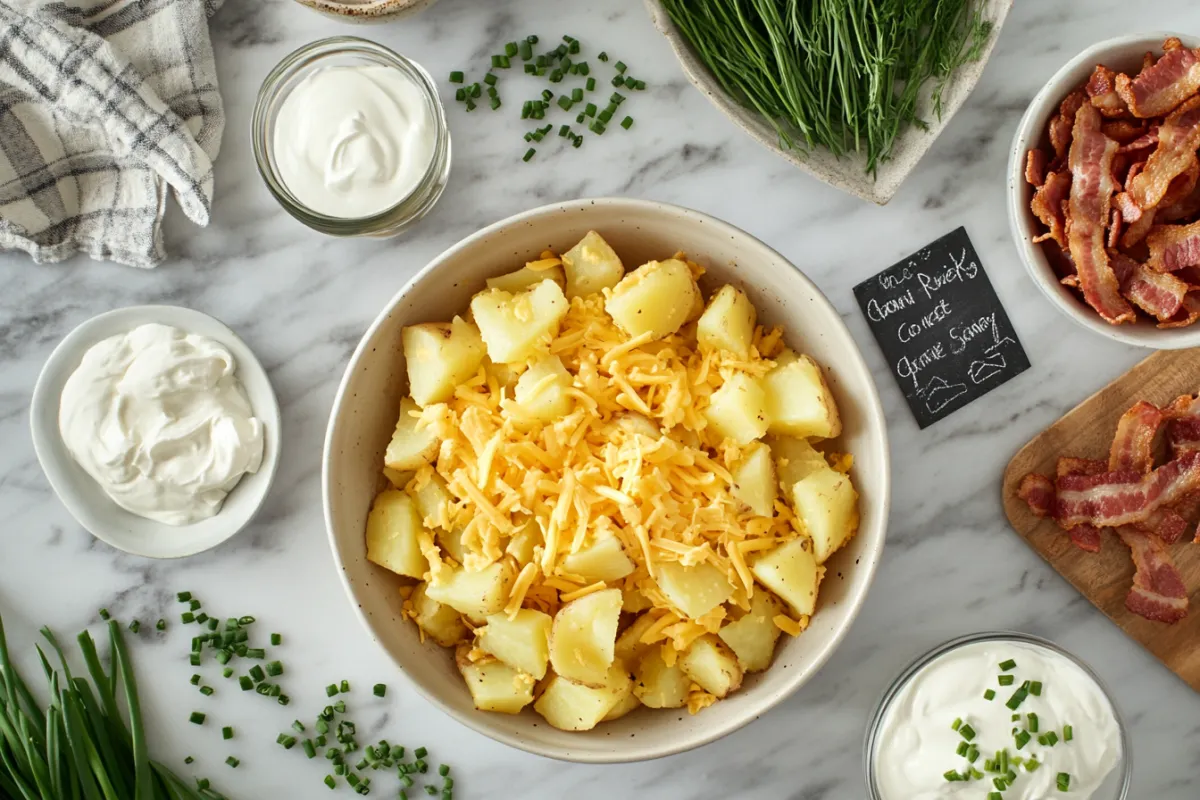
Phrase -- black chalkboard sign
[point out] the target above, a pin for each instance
(942, 328)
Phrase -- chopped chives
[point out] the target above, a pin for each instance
(528, 154)
(420, 753)
(1068, 733)
(246, 683)
(1022, 739)
(283, 699)
(590, 109)
(490, 79)
(564, 102)
(603, 56)
(620, 67)
(1032, 725)
(1018, 697)
(576, 95)
(431, 790)
(206, 690)
(135, 626)
(340, 707)
(1000, 783)
(1035, 688)
(967, 732)
(989, 694)
(212, 623)
(618, 81)
(566, 66)
(257, 673)
(183, 597)
(532, 38)
(582, 68)
(497, 62)
(556, 76)
(954, 726)
(194, 660)
(104, 615)
(227, 732)
(962, 748)
(511, 49)
(1031, 764)
(201, 618)
(232, 762)
(476, 90)
(196, 718)
(202, 783)
(525, 50)
(194, 605)
(275, 669)
(1005, 680)
(577, 142)
(530, 69)
(972, 754)
(188, 760)
(455, 77)
(597, 127)
(194, 680)
(1007, 665)
(287, 741)
(1064, 781)
(187, 617)
(591, 84)
(310, 749)
(573, 47)
(995, 796)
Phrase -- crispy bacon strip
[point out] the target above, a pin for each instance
(1158, 294)
(1178, 140)
(1090, 160)
(1173, 247)
(1125, 131)
(1183, 425)
(1133, 446)
(1158, 592)
(1160, 88)
(1102, 90)
(1038, 491)
(1061, 125)
(1142, 142)
(1085, 537)
(1183, 209)
(1125, 497)
(1130, 211)
(1035, 166)
(1187, 314)
(1048, 206)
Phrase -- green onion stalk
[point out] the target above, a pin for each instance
(845, 75)
(80, 746)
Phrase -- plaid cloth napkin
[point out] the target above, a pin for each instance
(103, 105)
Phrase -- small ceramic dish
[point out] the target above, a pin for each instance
(1122, 53)
(1114, 787)
(80, 493)
(848, 174)
(367, 11)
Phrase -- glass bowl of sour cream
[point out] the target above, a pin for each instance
(997, 715)
(351, 138)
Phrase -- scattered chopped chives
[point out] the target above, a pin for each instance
(227, 732)
(187, 617)
(573, 47)
(380, 689)
(618, 81)
(962, 748)
(497, 62)
(989, 694)
(1068, 733)
(212, 623)
(206, 690)
(525, 50)
(591, 84)
(233, 762)
(1018, 697)
(1022, 739)
(565, 103)
(455, 77)
(995, 796)
(194, 660)
(283, 699)
(603, 56)
(1064, 781)
(972, 754)
(340, 707)
(476, 89)
(597, 127)
(1031, 764)
(275, 669)
(310, 749)
(494, 103)
(431, 790)
(196, 718)
(104, 615)
(547, 95)
(194, 680)
(576, 95)
(257, 673)
(420, 753)
(528, 154)
(590, 109)
(298, 726)
(246, 683)
(490, 80)
(135, 626)
(620, 67)
(1032, 725)
(183, 597)
(556, 76)
(287, 741)
(577, 142)
(582, 68)
(511, 49)
(530, 69)
(1005, 666)
(406, 781)
(1051, 738)
(1005, 680)
(1035, 688)
(956, 725)
(605, 115)
(188, 760)
(967, 732)
(194, 605)
(201, 618)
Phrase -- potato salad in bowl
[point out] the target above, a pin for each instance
(609, 490)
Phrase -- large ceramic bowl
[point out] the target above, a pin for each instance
(1122, 54)
(849, 173)
(364, 414)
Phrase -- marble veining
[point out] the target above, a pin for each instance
(301, 301)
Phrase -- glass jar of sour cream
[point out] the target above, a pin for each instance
(351, 138)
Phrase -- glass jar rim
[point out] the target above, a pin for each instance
(925, 659)
(308, 57)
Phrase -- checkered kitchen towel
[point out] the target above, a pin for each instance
(104, 104)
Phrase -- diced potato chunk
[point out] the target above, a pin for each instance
(711, 664)
(520, 544)
(752, 638)
(524, 278)
(571, 706)
(795, 459)
(754, 480)
(522, 642)
(542, 390)
(591, 265)
(694, 590)
(476, 594)
(505, 374)
(728, 322)
(495, 686)
(630, 703)
(583, 637)
(430, 499)
(655, 298)
(738, 410)
(629, 644)
(826, 504)
(410, 447)
(791, 572)
(392, 529)
(397, 478)
(516, 327)
(604, 559)
(451, 544)
(798, 399)
(660, 686)
(439, 356)
(440, 623)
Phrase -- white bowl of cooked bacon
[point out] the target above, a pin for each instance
(1104, 189)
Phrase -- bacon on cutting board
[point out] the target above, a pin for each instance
(1090, 160)
(1133, 446)
(1160, 88)
(1178, 140)
(1038, 492)
(1158, 592)
(1173, 247)
(1125, 497)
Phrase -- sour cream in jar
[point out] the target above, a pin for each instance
(968, 696)
(353, 140)
(158, 418)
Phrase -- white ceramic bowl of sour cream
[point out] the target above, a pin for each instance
(86, 499)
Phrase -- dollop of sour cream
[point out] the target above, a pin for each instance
(916, 744)
(353, 140)
(159, 419)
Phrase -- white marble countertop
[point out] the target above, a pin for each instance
(301, 301)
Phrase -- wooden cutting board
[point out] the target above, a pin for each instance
(1104, 578)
